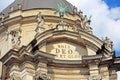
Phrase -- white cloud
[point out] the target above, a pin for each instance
(105, 21)
(115, 13)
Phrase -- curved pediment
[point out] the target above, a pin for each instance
(65, 50)
(65, 45)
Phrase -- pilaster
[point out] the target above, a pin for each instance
(15, 73)
(41, 71)
(28, 71)
(94, 70)
(113, 74)
(104, 72)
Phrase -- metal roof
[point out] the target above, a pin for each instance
(37, 4)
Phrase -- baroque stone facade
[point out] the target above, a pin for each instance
(41, 42)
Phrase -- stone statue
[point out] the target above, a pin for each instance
(81, 15)
(108, 44)
(15, 38)
(85, 25)
(1, 18)
(19, 6)
(62, 10)
(75, 10)
(40, 23)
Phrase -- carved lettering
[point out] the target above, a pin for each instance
(70, 51)
(57, 50)
(66, 51)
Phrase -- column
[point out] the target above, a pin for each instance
(28, 71)
(41, 71)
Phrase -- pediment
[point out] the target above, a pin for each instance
(65, 45)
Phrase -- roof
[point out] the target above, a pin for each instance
(37, 4)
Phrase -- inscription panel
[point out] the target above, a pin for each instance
(65, 51)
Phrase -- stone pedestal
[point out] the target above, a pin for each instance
(62, 27)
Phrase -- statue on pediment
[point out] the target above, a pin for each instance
(80, 13)
(40, 23)
(75, 10)
(1, 18)
(85, 25)
(108, 44)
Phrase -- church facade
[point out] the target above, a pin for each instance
(52, 40)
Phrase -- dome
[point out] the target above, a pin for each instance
(37, 4)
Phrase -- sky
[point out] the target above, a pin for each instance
(105, 18)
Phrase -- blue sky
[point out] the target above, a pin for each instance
(105, 12)
(105, 18)
(112, 3)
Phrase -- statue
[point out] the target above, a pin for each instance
(15, 38)
(81, 15)
(61, 10)
(85, 24)
(2, 18)
(75, 10)
(108, 44)
(40, 23)
(87, 27)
